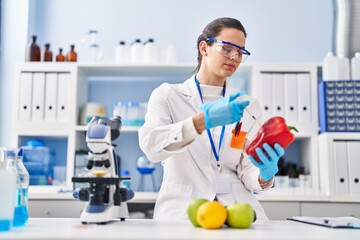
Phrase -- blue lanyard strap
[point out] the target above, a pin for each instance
(208, 130)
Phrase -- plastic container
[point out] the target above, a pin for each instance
(122, 53)
(7, 189)
(32, 53)
(335, 68)
(39, 162)
(150, 52)
(22, 185)
(344, 68)
(330, 67)
(169, 54)
(355, 67)
(136, 52)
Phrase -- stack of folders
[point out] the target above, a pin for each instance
(331, 222)
(339, 106)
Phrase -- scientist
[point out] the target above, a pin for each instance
(188, 128)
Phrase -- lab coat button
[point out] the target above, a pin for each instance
(175, 138)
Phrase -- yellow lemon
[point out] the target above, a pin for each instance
(211, 215)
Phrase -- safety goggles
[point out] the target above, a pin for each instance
(229, 49)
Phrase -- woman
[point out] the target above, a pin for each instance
(188, 127)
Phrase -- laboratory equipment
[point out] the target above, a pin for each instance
(71, 56)
(22, 185)
(122, 53)
(47, 55)
(32, 53)
(105, 198)
(91, 109)
(60, 57)
(145, 167)
(7, 189)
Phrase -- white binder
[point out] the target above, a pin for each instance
(63, 97)
(25, 96)
(38, 97)
(266, 95)
(278, 88)
(304, 93)
(341, 168)
(50, 97)
(354, 167)
(291, 97)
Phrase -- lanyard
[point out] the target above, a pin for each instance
(216, 155)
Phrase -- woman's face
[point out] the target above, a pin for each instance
(216, 60)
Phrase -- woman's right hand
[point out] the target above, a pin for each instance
(224, 110)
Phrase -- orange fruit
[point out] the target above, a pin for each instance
(211, 215)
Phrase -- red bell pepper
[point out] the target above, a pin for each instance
(272, 131)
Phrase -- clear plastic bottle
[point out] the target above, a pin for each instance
(150, 52)
(122, 53)
(22, 185)
(136, 52)
(7, 189)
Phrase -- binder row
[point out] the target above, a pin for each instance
(347, 167)
(339, 106)
(44, 97)
(287, 95)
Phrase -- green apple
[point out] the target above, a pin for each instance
(240, 215)
(192, 210)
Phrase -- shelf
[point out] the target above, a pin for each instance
(129, 129)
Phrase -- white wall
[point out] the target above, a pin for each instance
(278, 30)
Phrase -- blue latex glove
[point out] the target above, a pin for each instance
(269, 161)
(224, 110)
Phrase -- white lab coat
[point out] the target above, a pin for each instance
(188, 161)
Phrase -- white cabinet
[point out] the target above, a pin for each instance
(339, 161)
(290, 91)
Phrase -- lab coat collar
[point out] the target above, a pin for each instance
(189, 90)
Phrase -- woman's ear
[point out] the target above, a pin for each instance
(203, 48)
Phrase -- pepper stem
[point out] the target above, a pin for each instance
(292, 128)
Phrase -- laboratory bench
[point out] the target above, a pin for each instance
(136, 229)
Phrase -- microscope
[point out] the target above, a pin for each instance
(105, 198)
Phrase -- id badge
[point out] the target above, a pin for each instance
(221, 182)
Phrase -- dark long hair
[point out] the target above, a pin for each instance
(213, 29)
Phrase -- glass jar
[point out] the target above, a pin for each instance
(47, 55)
(71, 56)
(60, 57)
(32, 53)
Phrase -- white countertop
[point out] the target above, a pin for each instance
(131, 229)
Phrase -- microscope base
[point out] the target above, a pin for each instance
(110, 213)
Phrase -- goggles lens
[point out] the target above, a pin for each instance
(230, 50)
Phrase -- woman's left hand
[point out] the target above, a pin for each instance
(269, 161)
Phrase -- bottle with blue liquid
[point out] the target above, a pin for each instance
(7, 189)
(22, 185)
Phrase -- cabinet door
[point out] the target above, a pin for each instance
(25, 95)
(325, 209)
(63, 97)
(280, 210)
(55, 208)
